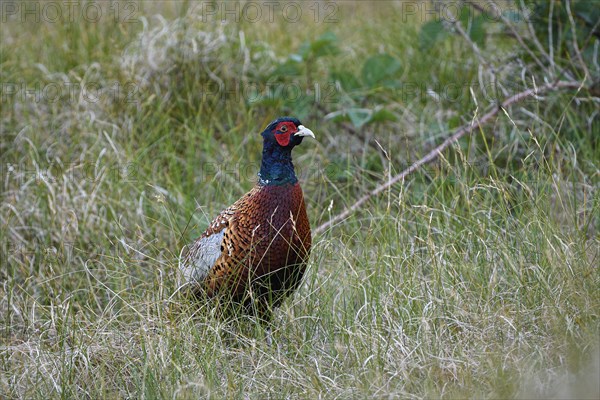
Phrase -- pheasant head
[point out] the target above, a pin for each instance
(279, 138)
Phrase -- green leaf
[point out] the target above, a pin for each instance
(346, 79)
(324, 45)
(588, 11)
(383, 115)
(338, 116)
(288, 68)
(380, 70)
(473, 26)
(430, 33)
(477, 32)
(299, 106)
(465, 16)
(359, 116)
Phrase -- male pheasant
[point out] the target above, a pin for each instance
(254, 253)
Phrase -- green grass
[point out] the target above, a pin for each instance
(476, 278)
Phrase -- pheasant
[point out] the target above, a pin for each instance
(254, 253)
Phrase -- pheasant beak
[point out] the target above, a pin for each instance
(304, 131)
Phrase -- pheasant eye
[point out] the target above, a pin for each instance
(284, 129)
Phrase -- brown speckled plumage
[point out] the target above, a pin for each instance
(255, 251)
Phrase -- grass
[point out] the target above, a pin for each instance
(477, 278)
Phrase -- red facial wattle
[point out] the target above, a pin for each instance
(283, 138)
(283, 133)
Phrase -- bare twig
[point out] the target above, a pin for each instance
(432, 155)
